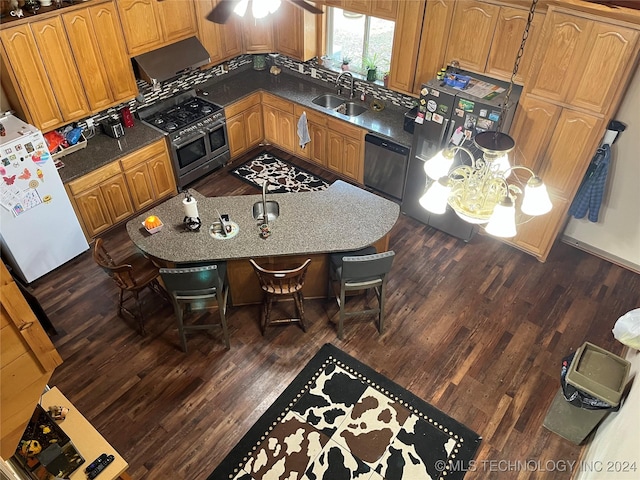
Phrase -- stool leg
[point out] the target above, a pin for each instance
(140, 315)
(222, 308)
(342, 313)
(180, 319)
(299, 300)
(267, 313)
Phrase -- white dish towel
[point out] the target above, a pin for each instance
(303, 130)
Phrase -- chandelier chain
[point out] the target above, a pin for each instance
(516, 65)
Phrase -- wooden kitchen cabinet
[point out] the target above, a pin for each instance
(100, 54)
(506, 42)
(150, 24)
(279, 124)
(472, 28)
(433, 41)
(27, 361)
(295, 32)
(149, 175)
(316, 150)
(582, 61)
(345, 152)
(405, 47)
(258, 34)
(113, 193)
(25, 79)
(221, 41)
(244, 124)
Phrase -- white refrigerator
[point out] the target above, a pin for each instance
(39, 229)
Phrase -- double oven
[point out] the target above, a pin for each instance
(197, 133)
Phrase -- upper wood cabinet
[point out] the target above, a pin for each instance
(405, 47)
(221, 41)
(378, 8)
(472, 28)
(433, 41)
(149, 24)
(25, 78)
(65, 67)
(27, 360)
(96, 40)
(258, 34)
(507, 38)
(295, 32)
(491, 48)
(582, 60)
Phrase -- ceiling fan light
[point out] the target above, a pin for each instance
(536, 199)
(260, 8)
(439, 166)
(503, 219)
(435, 198)
(241, 7)
(273, 5)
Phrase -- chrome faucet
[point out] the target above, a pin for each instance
(350, 86)
(265, 216)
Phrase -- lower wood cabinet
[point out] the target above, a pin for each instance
(244, 124)
(113, 193)
(345, 152)
(316, 150)
(279, 124)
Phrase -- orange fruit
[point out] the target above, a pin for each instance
(152, 222)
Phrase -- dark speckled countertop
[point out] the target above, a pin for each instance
(102, 149)
(298, 230)
(225, 90)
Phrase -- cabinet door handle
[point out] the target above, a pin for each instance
(25, 326)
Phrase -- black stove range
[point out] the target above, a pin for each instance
(176, 113)
(197, 134)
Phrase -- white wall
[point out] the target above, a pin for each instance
(616, 235)
(616, 443)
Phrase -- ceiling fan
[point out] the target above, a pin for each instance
(260, 8)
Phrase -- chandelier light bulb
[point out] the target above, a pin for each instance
(260, 9)
(536, 199)
(503, 220)
(273, 5)
(435, 198)
(439, 165)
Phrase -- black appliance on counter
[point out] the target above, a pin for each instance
(197, 131)
(442, 111)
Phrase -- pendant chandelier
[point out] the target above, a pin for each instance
(259, 8)
(480, 193)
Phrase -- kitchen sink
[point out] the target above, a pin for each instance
(338, 104)
(273, 210)
(328, 101)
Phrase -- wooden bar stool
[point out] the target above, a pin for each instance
(277, 283)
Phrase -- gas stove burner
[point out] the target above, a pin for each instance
(158, 121)
(206, 109)
(171, 126)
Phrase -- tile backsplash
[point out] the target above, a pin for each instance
(148, 96)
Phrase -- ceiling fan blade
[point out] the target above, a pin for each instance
(222, 11)
(307, 6)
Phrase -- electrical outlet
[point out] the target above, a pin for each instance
(314, 72)
(301, 68)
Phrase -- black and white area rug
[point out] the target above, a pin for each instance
(341, 420)
(283, 177)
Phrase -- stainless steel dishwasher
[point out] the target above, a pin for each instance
(385, 165)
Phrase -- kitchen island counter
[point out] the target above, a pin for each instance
(343, 217)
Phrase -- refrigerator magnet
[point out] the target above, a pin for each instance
(483, 112)
(427, 116)
(435, 93)
(466, 105)
(443, 109)
(431, 106)
(424, 92)
(437, 118)
(459, 112)
(25, 175)
(494, 116)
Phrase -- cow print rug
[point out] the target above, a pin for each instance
(341, 420)
(283, 177)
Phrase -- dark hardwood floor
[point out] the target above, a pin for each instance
(477, 330)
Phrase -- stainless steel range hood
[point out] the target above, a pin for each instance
(173, 60)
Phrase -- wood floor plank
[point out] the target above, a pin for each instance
(477, 329)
